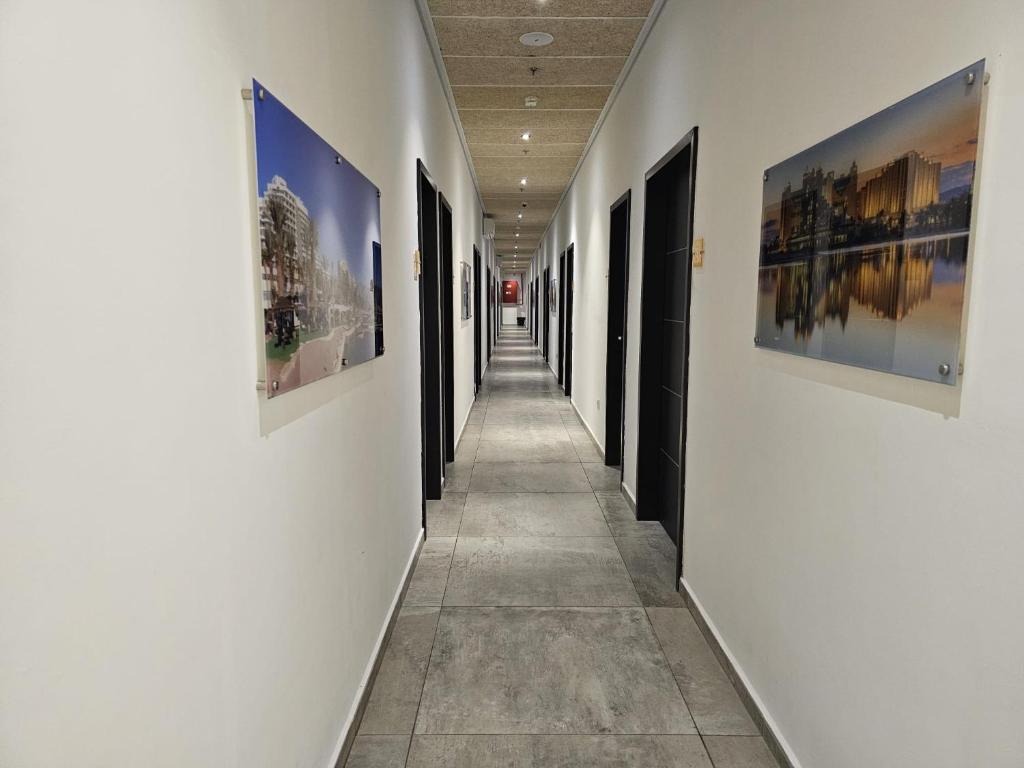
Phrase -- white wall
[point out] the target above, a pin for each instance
(175, 589)
(854, 537)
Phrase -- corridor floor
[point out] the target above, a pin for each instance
(541, 626)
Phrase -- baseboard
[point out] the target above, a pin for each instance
(586, 426)
(462, 429)
(630, 496)
(755, 706)
(355, 716)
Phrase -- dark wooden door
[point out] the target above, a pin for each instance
(489, 315)
(561, 317)
(569, 288)
(448, 327)
(547, 312)
(536, 309)
(431, 354)
(665, 332)
(615, 365)
(477, 352)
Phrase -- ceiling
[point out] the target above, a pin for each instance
(492, 73)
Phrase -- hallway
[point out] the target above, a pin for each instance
(541, 626)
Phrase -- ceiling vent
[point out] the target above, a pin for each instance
(489, 227)
(531, 101)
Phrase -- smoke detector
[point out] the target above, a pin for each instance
(537, 39)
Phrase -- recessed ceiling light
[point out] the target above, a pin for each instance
(537, 39)
(522, 182)
(519, 215)
(517, 234)
(526, 136)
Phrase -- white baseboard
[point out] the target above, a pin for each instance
(378, 649)
(586, 426)
(630, 495)
(767, 723)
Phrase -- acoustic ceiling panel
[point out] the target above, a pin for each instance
(526, 111)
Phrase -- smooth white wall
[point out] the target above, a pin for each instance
(854, 537)
(175, 589)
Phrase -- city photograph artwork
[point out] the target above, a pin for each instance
(864, 237)
(467, 291)
(320, 253)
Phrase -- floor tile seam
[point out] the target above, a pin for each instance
(607, 608)
(537, 536)
(453, 606)
(430, 653)
(561, 733)
(606, 524)
(628, 572)
(668, 663)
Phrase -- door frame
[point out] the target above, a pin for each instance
(431, 354)
(547, 312)
(688, 142)
(537, 309)
(489, 331)
(615, 365)
(561, 317)
(477, 351)
(446, 232)
(570, 294)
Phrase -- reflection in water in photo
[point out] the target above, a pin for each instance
(863, 306)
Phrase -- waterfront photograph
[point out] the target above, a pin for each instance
(319, 221)
(865, 237)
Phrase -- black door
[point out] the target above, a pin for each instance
(431, 353)
(664, 340)
(477, 361)
(561, 316)
(569, 287)
(615, 366)
(448, 327)
(547, 311)
(489, 331)
(536, 309)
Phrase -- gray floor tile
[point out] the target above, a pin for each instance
(588, 452)
(739, 752)
(529, 431)
(530, 477)
(526, 451)
(549, 671)
(558, 752)
(396, 691)
(456, 476)
(497, 417)
(539, 571)
(426, 587)
(651, 561)
(602, 478)
(713, 702)
(466, 450)
(444, 516)
(473, 430)
(533, 514)
(620, 517)
(378, 752)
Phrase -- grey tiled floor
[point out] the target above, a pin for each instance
(541, 626)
